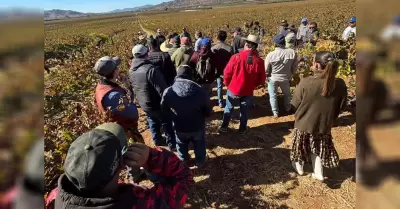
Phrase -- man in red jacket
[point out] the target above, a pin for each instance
(94, 162)
(244, 72)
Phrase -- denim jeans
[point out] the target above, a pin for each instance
(220, 86)
(199, 142)
(231, 102)
(273, 94)
(157, 120)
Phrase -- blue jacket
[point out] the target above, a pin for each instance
(188, 104)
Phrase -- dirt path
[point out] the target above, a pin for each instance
(254, 171)
(145, 30)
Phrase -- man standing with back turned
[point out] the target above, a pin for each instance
(149, 84)
(244, 72)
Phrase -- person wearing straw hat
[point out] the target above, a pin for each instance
(176, 44)
(93, 165)
(168, 43)
(244, 72)
(280, 65)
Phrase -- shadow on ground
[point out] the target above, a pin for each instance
(241, 178)
(235, 181)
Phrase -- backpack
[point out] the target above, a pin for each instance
(203, 69)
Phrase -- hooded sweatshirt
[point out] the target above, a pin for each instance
(187, 102)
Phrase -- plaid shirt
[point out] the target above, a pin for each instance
(172, 193)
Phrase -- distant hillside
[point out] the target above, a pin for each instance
(134, 9)
(195, 3)
(62, 14)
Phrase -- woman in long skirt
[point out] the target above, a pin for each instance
(318, 100)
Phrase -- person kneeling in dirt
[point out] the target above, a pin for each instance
(105, 150)
(318, 101)
(108, 97)
(189, 105)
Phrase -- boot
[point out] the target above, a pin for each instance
(317, 166)
(298, 167)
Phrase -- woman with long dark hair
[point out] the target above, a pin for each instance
(318, 100)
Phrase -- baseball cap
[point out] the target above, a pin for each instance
(279, 39)
(93, 158)
(185, 41)
(205, 42)
(106, 65)
(352, 20)
(139, 50)
(304, 20)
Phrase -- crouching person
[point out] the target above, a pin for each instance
(112, 98)
(94, 162)
(189, 105)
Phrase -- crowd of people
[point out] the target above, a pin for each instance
(172, 80)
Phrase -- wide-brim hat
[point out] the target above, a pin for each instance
(253, 39)
(165, 47)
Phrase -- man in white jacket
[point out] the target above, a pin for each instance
(350, 31)
(392, 31)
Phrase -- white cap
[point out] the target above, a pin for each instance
(139, 50)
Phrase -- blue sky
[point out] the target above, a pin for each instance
(78, 5)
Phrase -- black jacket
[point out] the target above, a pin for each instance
(66, 198)
(188, 104)
(163, 61)
(148, 84)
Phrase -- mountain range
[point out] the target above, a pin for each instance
(62, 14)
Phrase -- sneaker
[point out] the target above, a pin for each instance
(243, 132)
(201, 165)
(298, 168)
(319, 178)
(276, 116)
(223, 130)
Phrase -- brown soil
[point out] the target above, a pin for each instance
(254, 171)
